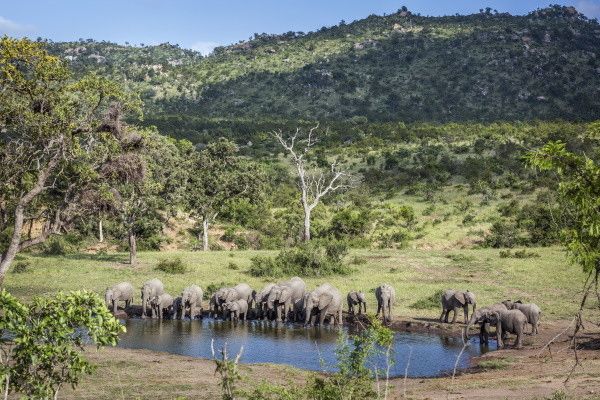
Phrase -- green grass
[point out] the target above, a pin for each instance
(416, 274)
(496, 363)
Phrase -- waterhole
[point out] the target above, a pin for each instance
(417, 354)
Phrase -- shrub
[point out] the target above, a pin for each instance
(429, 302)
(523, 253)
(171, 266)
(55, 246)
(503, 234)
(350, 222)
(358, 260)
(233, 266)
(21, 267)
(308, 259)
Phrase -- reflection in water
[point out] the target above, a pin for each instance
(308, 348)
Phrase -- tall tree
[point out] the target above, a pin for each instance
(50, 126)
(219, 174)
(314, 183)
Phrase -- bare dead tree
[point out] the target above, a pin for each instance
(313, 183)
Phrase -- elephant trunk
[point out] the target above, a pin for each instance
(466, 332)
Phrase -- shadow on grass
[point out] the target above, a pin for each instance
(113, 257)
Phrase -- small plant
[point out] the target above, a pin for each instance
(523, 253)
(55, 247)
(460, 258)
(21, 267)
(429, 302)
(233, 266)
(228, 371)
(171, 266)
(357, 260)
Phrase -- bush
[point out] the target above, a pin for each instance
(429, 302)
(308, 259)
(233, 266)
(55, 246)
(21, 267)
(503, 234)
(518, 254)
(171, 266)
(358, 260)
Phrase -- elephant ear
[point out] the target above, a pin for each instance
(285, 295)
(460, 296)
(324, 300)
(354, 296)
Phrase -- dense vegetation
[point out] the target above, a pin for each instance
(482, 67)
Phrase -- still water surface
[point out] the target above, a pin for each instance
(308, 348)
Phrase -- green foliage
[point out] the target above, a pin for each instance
(429, 302)
(350, 222)
(42, 342)
(523, 253)
(21, 267)
(307, 259)
(579, 187)
(171, 266)
(56, 246)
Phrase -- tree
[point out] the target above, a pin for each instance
(313, 184)
(51, 127)
(147, 178)
(41, 343)
(218, 176)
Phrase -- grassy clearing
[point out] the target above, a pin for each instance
(416, 274)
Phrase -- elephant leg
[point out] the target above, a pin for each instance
(322, 316)
(442, 315)
(466, 313)
(519, 342)
(378, 309)
(453, 315)
(340, 317)
(114, 304)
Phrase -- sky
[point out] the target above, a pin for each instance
(203, 24)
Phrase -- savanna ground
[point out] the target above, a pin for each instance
(416, 274)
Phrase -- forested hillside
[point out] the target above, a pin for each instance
(400, 67)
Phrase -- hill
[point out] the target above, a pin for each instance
(400, 67)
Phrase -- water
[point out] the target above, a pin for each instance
(308, 348)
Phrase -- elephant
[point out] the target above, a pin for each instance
(191, 297)
(477, 318)
(386, 297)
(532, 312)
(285, 295)
(177, 308)
(150, 289)
(260, 301)
(356, 299)
(236, 308)
(120, 292)
(507, 321)
(216, 301)
(324, 300)
(240, 291)
(451, 300)
(161, 303)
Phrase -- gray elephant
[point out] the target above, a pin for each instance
(216, 301)
(150, 289)
(161, 303)
(354, 299)
(240, 291)
(451, 300)
(177, 308)
(508, 321)
(324, 301)
(532, 312)
(236, 309)
(120, 292)
(386, 297)
(477, 318)
(260, 301)
(283, 296)
(191, 297)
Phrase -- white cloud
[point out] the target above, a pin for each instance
(7, 26)
(204, 47)
(589, 8)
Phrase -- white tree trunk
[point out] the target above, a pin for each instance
(307, 212)
(100, 231)
(205, 246)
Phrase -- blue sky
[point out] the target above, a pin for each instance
(203, 24)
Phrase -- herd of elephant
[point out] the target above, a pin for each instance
(287, 301)
(290, 301)
(507, 316)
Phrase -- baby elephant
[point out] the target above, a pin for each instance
(354, 299)
(162, 303)
(191, 298)
(531, 311)
(120, 292)
(236, 308)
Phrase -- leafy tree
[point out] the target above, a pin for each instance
(41, 343)
(51, 126)
(218, 176)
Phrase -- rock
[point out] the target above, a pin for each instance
(121, 314)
